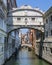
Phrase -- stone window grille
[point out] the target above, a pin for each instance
(51, 50)
(18, 18)
(33, 18)
(25, 20)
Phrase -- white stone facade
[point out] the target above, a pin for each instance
(26, 16)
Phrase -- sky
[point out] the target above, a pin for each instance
(44, 5)
(24, 31)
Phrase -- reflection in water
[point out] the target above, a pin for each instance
(26, 57)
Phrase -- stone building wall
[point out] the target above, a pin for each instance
(3, 34)
(47, 43)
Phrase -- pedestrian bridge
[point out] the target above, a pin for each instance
(25, 17)
(26, 45)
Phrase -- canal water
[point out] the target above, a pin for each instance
(25, 57)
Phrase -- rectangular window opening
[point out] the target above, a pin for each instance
(18, 18)
(33, 18)
(51, 17)
(51, 50)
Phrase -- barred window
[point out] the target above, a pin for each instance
(18, 18)
(51, 50)
(25, 18)
(51, 17)
(33, 18)
(46, 20)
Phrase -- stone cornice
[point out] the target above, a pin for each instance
(24, 16)
(26, 10)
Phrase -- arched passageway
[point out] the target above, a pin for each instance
(33, 36)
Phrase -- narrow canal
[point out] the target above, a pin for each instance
(25, 57)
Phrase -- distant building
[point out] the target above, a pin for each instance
(26, 39)
(32, 36)
(22, 39)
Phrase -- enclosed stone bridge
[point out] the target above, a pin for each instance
(25, 17)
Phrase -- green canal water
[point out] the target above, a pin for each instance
(26, 57)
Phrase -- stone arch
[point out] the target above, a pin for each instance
(14, 27)
(30, 27)
(42, 32)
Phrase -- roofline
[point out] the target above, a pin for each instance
(26, 9)
(49, 11)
